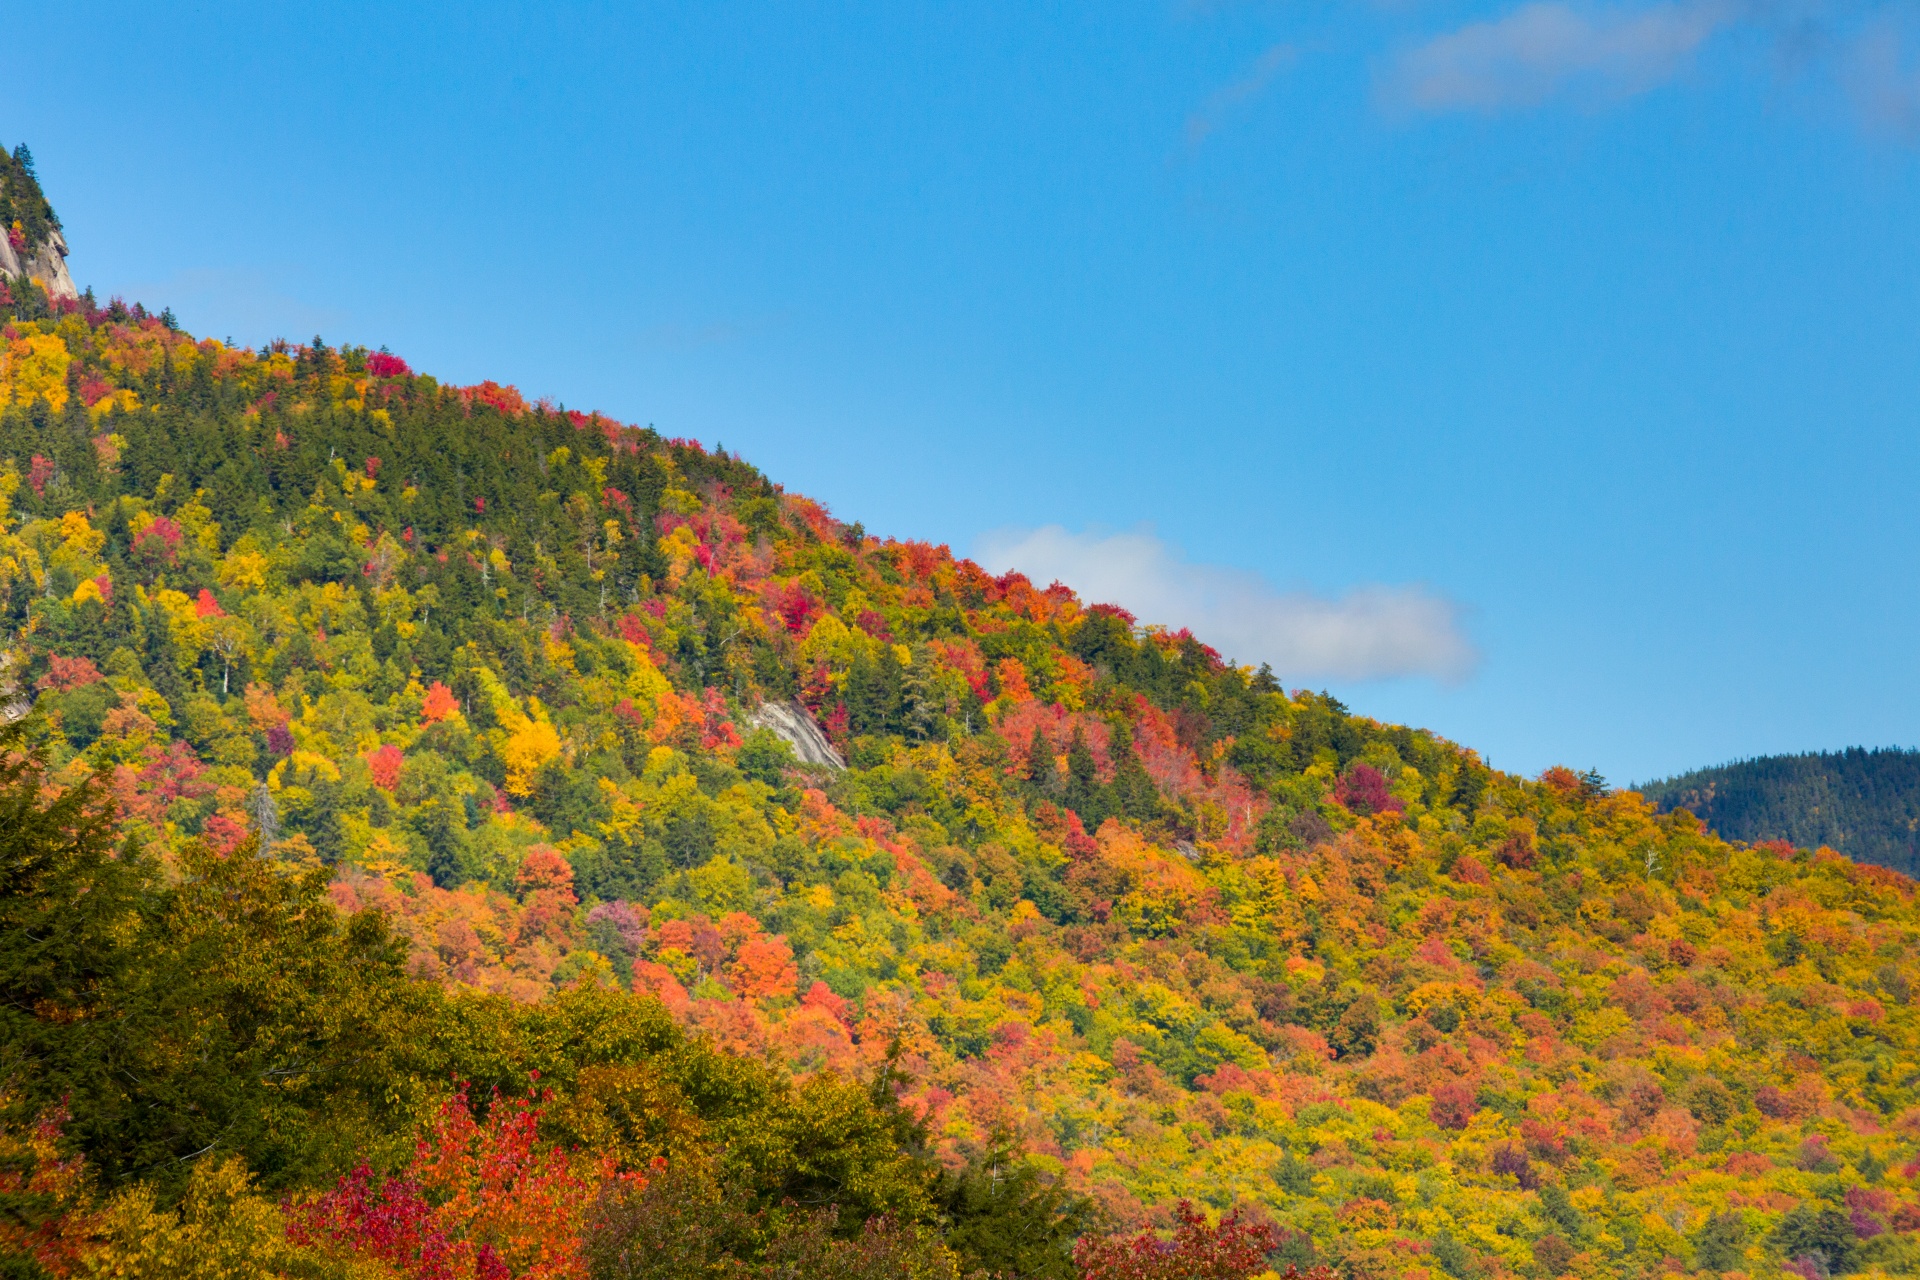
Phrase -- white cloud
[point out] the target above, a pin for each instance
(1543, 49)
(1883, 83)
(1248, 87)
(1370, 633)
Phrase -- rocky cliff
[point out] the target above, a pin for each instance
(45, 264)
(795, 726)
(32, 246)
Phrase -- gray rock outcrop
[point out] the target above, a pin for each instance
(793, 725)
(45, 264)
(14, 705)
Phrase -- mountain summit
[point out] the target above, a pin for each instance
(33, 246)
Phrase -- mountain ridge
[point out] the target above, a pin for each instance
(465, 699)
(1862, 802)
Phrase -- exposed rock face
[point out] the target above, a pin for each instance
(14, 705)
(45, 264)
(794, 726)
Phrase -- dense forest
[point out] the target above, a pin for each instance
(1865, 804)
(397, 879)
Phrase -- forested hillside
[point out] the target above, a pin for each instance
(1866, 804)
(423, 720)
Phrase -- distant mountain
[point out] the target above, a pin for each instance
(1865, 804)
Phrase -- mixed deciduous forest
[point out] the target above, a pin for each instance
(395, 882)
(1865, 804)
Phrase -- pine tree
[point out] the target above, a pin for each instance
(322, 822)
(920, 717)
(64, 946)
(1043, 775)
(1004, 1217)
(1133, 791)
(1469, 786)
(1084, 794)
(873, 694)
(446, 842)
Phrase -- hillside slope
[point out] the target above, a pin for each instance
(493, 668)
(1866, 804)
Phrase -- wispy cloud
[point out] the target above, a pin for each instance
(1368, 633)
(1549, 49)
(1884, 85)
(1250, 85)
(1513, 57)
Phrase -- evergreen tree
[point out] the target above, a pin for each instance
(1820, 1234)
(441, 824)
(1005, 1218)
(65, 900)
(1042, 774)
(873, 694)
(1721, 1244)
(1084, 794)
(1133, 792)
(1469, 786)
(322, 821)
(920, 717)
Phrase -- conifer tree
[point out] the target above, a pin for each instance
(1084, 794)
(1043, 775)
(65, 898)
(1133, 791)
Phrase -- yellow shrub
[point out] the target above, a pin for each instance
(223, 1230)
(34, 366)
(530, 744)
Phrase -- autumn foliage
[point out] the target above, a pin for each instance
(453, 736)
(481, 1200)
(1233, 1249)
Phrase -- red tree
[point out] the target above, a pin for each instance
(1233, 1250)
(440, 703)
(1364, 791)
(158, 544)
(481, 1201)
(1454, 1105)
(385, 761)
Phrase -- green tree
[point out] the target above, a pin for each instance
(1002, 1216)
(1084, 794)
(1721, 1243)
(1042, 773)
(1133, 792)
(69, 909)
(1821, 1233)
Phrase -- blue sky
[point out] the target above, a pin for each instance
(1544, 374)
